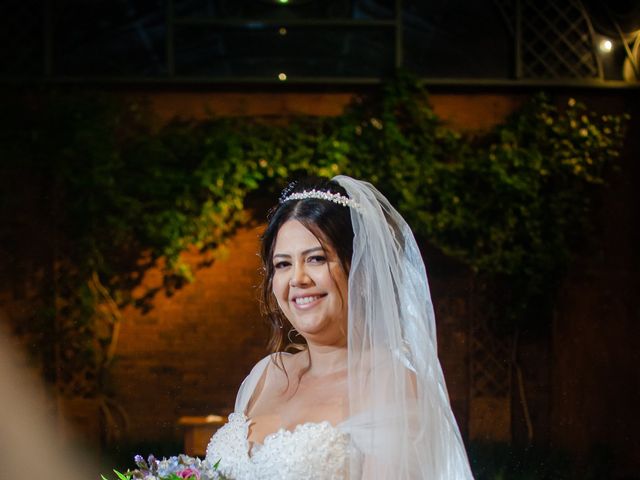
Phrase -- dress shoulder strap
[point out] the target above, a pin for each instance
(248, 386)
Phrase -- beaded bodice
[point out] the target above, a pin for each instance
(311, 451)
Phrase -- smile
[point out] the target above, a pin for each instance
(307, 300)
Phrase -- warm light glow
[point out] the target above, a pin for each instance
(282, 31)
(282, 77)
(606, 45)
(283, 1)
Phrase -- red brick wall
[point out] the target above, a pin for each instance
(188, 355)
(460, 110)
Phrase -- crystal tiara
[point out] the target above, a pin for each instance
(319, 194)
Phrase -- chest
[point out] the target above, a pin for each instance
(286, 405)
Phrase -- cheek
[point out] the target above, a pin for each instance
(341, 283)
(279, 289)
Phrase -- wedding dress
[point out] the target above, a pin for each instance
(315, 451)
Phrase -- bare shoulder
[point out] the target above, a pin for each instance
(283, 368)
(274, 382)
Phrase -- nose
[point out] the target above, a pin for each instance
(299, 276)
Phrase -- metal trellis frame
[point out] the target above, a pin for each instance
(553, 45)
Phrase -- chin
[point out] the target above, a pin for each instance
(310, 325)
(308, 328)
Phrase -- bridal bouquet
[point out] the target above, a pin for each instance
(181, 467)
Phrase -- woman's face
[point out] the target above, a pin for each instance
(310, 285)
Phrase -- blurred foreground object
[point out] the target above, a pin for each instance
(30, 445)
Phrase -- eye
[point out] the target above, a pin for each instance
(317, 259)
(281, 264)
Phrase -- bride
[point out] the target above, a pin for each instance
(363, 396)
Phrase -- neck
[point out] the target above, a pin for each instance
(327, 359)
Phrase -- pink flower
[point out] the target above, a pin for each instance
(189, 473)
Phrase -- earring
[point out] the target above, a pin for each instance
(289, 334)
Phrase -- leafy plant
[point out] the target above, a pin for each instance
(125, 195)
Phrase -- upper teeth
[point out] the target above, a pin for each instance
(304, 300)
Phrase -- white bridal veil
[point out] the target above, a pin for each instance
(400, 415)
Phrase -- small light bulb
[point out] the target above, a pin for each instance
(606, 45)
(282, 77)
(282, 31)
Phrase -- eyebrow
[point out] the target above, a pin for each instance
(306, 252)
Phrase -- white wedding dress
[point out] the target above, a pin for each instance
(314, 451)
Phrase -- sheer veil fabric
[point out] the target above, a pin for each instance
(400, 415)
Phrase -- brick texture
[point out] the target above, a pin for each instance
(189, 353)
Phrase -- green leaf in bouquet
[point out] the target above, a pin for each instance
(122, 476)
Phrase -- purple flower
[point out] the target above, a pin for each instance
(140, 462)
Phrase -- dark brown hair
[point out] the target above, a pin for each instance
(328, 221)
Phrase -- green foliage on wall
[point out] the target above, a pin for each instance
(510, 204)
(125, 194)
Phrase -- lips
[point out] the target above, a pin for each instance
(305, 300)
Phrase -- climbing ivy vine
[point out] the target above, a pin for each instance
(127, 195)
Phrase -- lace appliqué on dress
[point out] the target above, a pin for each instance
(315, 451)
